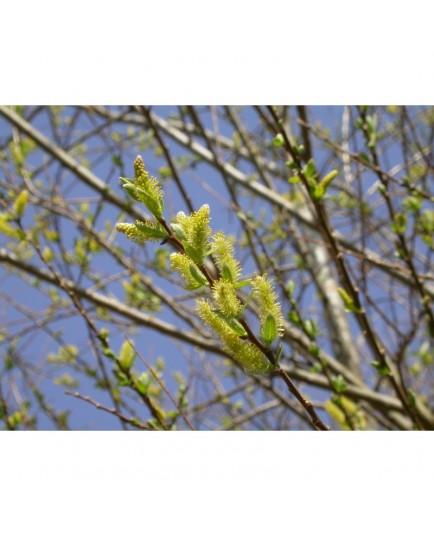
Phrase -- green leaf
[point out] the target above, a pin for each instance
(117, 161)
(242, 284)
(338, 383)
(126, 356)
(155, 206)
(291, 164)
(227, 274)
(278, 140)
(322, 187)
(124, 181)
(318, 192)
(311, 328)
(269, 329)
(233, 323)
(10, 231)
(412, 203)
(198, 276)
(310, 172)
(294, 318)
(314, 350)
(299, 149)
(350, 306)
(151, 232)
(290, 287)
(21, 203)
(279, 354)
(193, 287)
(143, 383)
(381, 368)
(399, 222)
(108, 352)
(236, 327)
(103, 335)
(178, 231)
(411, 397)
(195, 255)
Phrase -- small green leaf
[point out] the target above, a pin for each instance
(193, 287)
(153, 205)
(290, 287)
(319, 190)
(269, 329)
(178, 231)
(236, 327)
(117, 161)
(279, 354)
(350, 306)
(10, 231)
(381, 368)
(151, 232)
(243, 283)
(359, 122)
(294, 318)
(143, 383)
(233, 323)
(310, 171)
(411, 397)
(21, 203)
(194, 254)
(314, 350)
(103, 335)
(108, 352)
(399, 222)
(291, 164)
(311, 328)
(198, 276)
(412, 203)
(126, 356)
(227, 274)
(278, 140)
(338, 383)
(126, 181)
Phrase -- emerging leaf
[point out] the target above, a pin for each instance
(142, 232)
(197, 275)
(269, 330)
(278, 141)
(21, 203)
(268, 304)
(186, 268)
(126, 356)
(350, 306)
(320, 190)
(178, 231)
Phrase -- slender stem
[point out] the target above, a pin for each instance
(308, 406)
